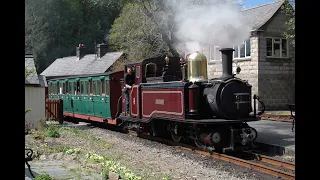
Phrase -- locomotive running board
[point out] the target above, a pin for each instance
(192, 121)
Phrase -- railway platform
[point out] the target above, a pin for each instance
(275, 137)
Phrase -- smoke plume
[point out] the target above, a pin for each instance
(208, 22)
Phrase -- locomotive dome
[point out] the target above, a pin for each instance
(197, 67)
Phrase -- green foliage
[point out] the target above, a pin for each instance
(287, 8)
(43, 177)
(53, 28)
(52, 131)
(138, 33)
(109, 165)
(45, 130)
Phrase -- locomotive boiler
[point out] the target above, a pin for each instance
(226, 97)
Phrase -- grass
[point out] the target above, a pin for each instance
(83, 142)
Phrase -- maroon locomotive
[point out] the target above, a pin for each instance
(184, 103)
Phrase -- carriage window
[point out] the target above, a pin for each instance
(82, 88)
(88, 87)
(98, 87)
(107, 88)
(60, 88)
(67, 88)
(64, 89)
(70, 88)
(90, 84)
(94, 88)
(103, 87)
(74, 88)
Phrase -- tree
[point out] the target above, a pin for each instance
(53, 28)
(288, 8)
(148, 28)
(136, 34)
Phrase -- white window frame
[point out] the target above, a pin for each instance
(211, 56)
(272, 46)
(245, 50)
(216, 50)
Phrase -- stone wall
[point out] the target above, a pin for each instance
(276, 75)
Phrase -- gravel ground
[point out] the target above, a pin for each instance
(152, 160)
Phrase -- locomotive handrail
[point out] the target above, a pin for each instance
(118, 113)
(255, 97)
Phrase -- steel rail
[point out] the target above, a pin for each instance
(245, 163)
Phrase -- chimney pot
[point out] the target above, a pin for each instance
(102, 49)
(80, 51)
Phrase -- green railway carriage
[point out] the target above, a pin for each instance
(88, 97)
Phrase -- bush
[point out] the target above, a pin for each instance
(43, 177)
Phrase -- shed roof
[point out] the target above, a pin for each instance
(29, 65)
(89, 64)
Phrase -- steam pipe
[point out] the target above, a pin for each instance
(227, 54)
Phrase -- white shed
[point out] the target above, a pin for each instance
(35, 86)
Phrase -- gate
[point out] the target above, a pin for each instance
(54, 110)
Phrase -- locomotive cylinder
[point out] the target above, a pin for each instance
(227, 54)
(197, 67)
(193, 99)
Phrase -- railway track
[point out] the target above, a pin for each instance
(261, 163)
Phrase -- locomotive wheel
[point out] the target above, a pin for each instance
(256, 134)
(175, 137)
(199, 144)
(220, 139)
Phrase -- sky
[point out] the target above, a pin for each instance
(252, 3)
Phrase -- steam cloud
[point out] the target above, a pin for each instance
(208, 22)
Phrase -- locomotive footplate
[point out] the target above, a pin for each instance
(212, 121)
(241, 139)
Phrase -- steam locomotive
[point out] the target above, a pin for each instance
(169, 98)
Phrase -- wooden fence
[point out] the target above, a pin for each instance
(54, 110)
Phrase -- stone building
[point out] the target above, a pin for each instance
(266, 59)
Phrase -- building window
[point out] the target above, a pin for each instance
(242, 50)
(277, 47)
(215, 54)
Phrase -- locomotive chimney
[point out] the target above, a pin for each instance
(226, 63)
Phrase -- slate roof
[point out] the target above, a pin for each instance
(29, 65)
(89, 64)
(259, 15)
